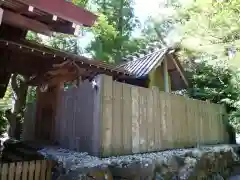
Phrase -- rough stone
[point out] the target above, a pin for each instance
(211, 162)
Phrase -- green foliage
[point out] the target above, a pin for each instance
(6, 101)
(211, 27)
(213, 80)
(206, 30)
(31, 95)
(3, 122)
(81, 3)
(112, 33)
(32, 36)
(66, 43)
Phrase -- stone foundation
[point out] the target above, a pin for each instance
(211, 163)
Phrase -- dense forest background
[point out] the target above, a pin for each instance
(207, 32)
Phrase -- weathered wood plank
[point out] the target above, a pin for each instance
(127, 119)
(157, 119)
(117, 142)
(142, 120)
(19, 169)
(169, 120)
(107, 110)
(150, 120)
(37, 170)
(135, 120)
(4, 171)
(31, 169)
(25, 170)
(43, 170)
(49, 170)
(164, 130)
(11, 171)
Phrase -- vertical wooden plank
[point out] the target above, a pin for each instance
(80, 108)
(192, 122)
(186, 137)
(185, 127)
(49, 170)
(135, 120)
(11, 171)
(31, 170)
(4, 171)
(117, 126)
(25, 170)
(209, 109)
(1, 15)
(142, 120)
(221, 123)
(150, 123)
(190, 119)
(175, 120)
(157, 119)
(201, 124)
(127, 119)
(196, 122)
(107, 111)
(177, 111)
(168, 109)
(37, 170)
(164, 127)
(19, 169)
(74, 116)
(43, 170)
(205, 123)
(214, 125)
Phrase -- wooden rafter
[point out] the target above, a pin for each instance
(179, 68)
(23, 22)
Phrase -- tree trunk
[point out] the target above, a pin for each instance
(15, 116)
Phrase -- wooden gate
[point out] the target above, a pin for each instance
(27, 170)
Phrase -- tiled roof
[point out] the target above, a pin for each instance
(142, 66)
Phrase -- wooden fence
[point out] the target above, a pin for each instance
(77, 120)
(33, 170)
(136, 119)
(118, 118)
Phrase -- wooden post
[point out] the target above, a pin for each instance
(1, 15)
(45, 113)
(165, 76)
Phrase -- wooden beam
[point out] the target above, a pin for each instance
(180, 70)
(61, 79)
(166, 76)
(66, 10)
(1, 15)
(23, 22)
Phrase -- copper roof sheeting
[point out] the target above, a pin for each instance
(143, 65)
(140, 67)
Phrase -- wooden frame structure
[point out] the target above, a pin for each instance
(45, 16)
(116, 118)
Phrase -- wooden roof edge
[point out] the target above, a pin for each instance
(34, 47)
(64, 9)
